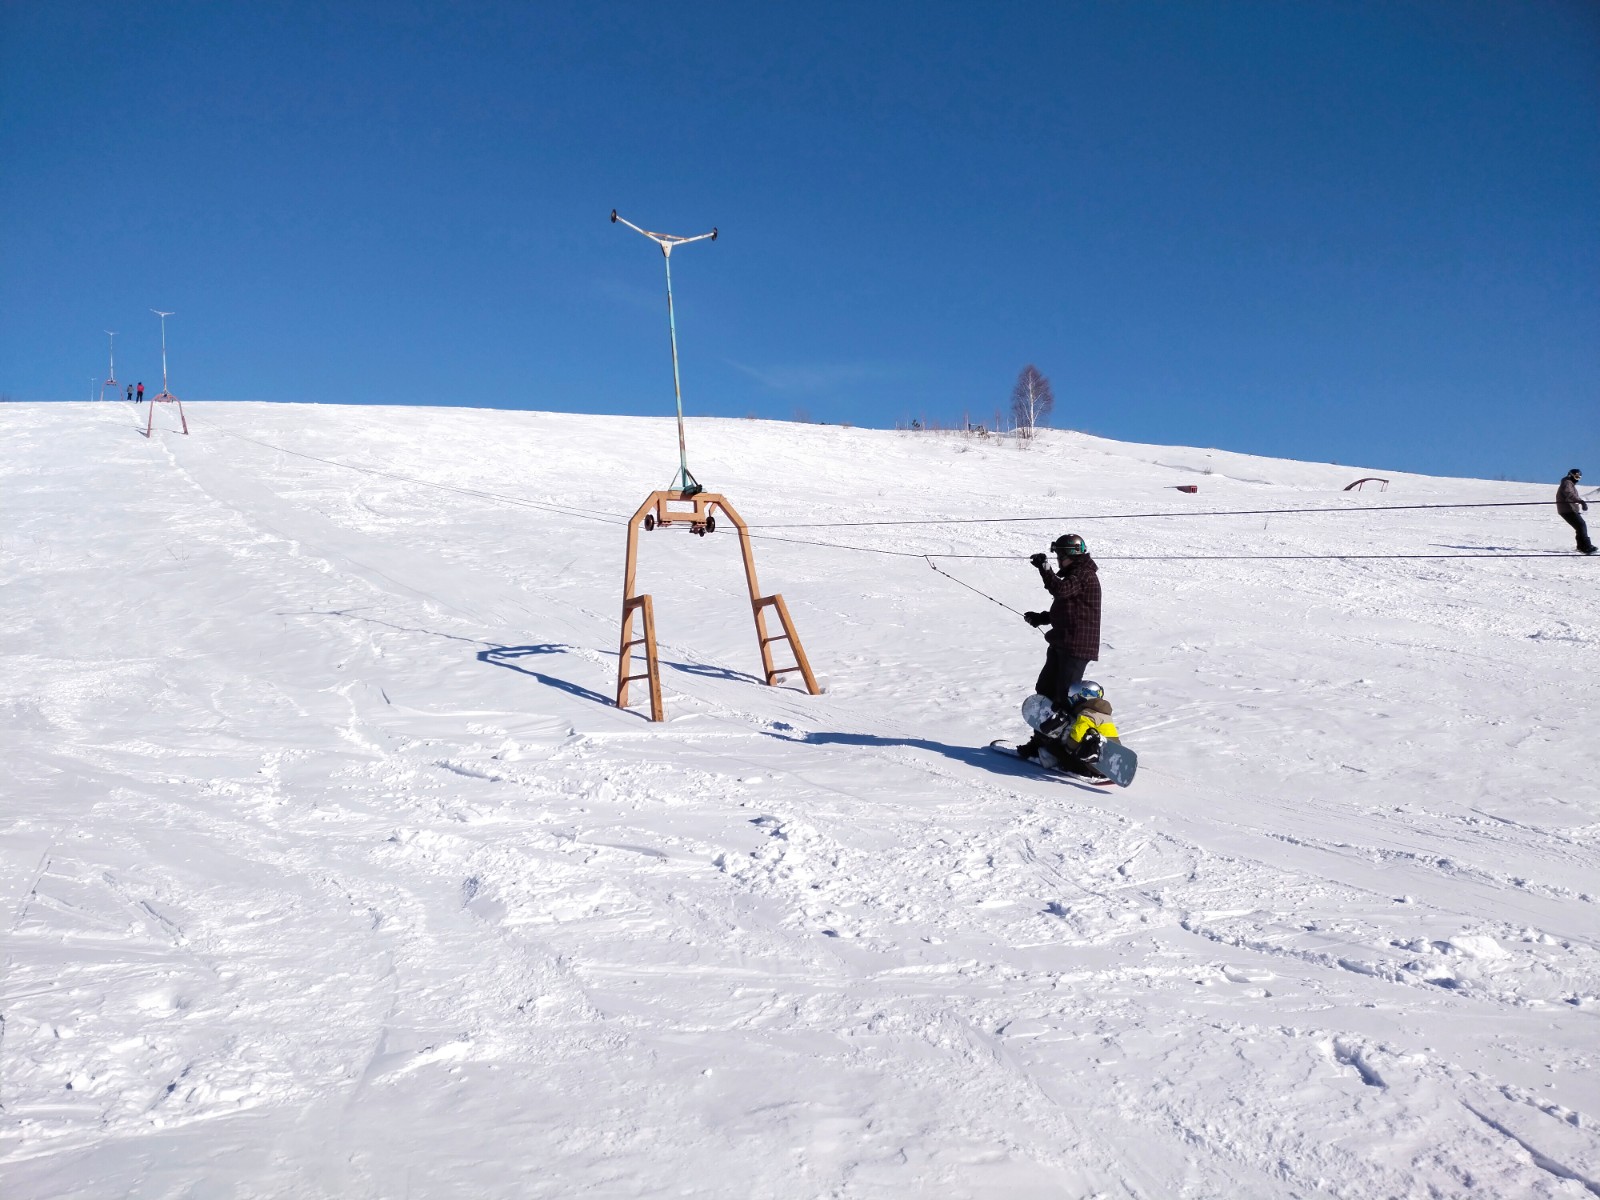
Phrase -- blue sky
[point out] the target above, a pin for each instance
(1359, 232)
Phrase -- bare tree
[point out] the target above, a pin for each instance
(1031, 400)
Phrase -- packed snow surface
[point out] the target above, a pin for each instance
(331, 870)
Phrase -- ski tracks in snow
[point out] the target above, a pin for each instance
(347, 881)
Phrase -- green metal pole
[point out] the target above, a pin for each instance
(686, 482)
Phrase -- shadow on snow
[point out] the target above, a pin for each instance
(981, 757)
(505, 656)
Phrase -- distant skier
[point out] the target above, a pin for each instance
(130, 393)
(1074, 620)
(1569, 504)
(141, 394)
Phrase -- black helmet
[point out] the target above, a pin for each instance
(1069, 544)
(1574, 474)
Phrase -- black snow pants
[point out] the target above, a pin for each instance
(1582, 529)
(1060, 673)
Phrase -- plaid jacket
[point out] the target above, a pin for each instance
(1075, 608)
(1567, 499)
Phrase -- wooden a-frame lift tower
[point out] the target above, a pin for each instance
(664, 509)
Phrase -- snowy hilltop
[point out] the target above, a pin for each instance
(331, 870)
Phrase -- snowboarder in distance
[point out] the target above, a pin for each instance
(1569, 504)
(141, 394)
(130, 393)
(1074, 621)
(1069, 737)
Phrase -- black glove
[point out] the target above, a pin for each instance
(1036, 619)
(1038, 560)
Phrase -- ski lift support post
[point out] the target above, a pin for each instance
(111, 376)
(166, 396)
(685, 482)
(662, 510)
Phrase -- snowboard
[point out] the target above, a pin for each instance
(1116, 761)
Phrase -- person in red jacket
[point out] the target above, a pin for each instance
(1074, 621)
(140, 400)
(1569, 504)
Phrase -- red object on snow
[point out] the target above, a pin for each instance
(1191, 488)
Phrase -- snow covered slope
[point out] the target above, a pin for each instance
(330, 871)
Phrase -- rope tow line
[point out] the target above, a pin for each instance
(1161, 557)
(1235, 512)
(1322, 557)
(968, 586)
(613, 519)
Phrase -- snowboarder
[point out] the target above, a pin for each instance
(1074, 620)
(141, 393)
(1069, 737)
(1569, 504)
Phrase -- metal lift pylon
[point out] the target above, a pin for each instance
(165, 396)
(111, 375)
(658, 513)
